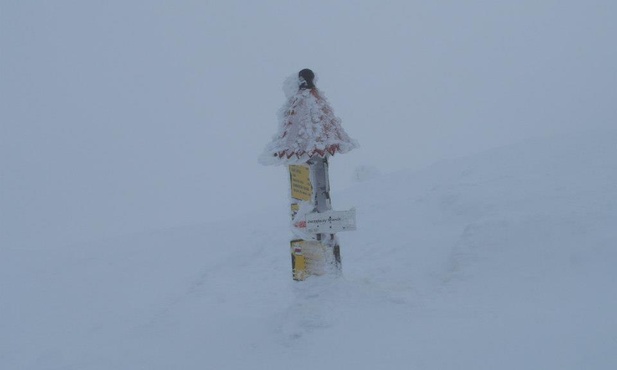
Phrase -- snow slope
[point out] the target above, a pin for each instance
(503, 260)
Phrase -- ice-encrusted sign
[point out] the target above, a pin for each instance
(331, 222)
(307, 127)
(308, 134)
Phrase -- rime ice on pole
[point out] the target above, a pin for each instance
(308, 127)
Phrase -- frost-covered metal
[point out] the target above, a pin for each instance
(309, 133)
(307, 128)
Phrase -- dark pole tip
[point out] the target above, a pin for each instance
(306, 77)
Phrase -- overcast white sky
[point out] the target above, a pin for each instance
(122, 116)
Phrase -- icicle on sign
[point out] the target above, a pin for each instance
(301, 187)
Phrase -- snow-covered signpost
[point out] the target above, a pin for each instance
(308, 134)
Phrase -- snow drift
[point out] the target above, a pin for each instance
(503, 260)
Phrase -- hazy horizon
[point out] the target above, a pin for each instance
(126, 116)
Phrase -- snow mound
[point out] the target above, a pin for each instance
(365, 173)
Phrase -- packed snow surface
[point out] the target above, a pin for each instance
(503, 260)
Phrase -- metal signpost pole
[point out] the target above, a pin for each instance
(319, 170)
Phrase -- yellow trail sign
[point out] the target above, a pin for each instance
(301, 187)
(308, 257)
